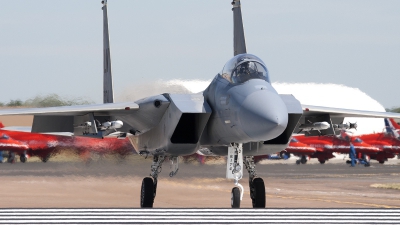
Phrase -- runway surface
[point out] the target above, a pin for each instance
(105, 183)
(199, 216)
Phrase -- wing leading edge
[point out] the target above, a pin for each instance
(106, 109)
(335, 116)
(310, 110)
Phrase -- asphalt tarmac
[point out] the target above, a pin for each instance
(107, 182)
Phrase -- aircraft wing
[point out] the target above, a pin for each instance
(335, 116)
(109, 109)
(141, 115)
(310, 110)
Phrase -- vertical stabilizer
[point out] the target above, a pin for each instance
(392, 127)
(239, 42)
(108, 94)
(394, 124)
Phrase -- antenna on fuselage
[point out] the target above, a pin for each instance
(108, 94)
(239, 42)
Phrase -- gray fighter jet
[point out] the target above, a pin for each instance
(240, 115)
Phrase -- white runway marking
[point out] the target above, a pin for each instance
(199, 216)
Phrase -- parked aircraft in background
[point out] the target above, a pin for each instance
(239, 115)
(388, 142)
(325, 146)
(27, 144)
(392, 127)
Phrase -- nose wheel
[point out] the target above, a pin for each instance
(235, 197)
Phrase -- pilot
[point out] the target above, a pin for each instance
(244, 72)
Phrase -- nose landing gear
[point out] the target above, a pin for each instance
(234, 171)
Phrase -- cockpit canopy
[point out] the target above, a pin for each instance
(4, 136)
(244, 67)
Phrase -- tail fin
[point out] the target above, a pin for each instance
(392, 127)
(1, 125)
(394, 124)
(108, 94)
(239, 42)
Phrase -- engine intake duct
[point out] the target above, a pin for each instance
(189, 128)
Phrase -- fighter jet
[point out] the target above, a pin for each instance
(388, 142)
(239, 115)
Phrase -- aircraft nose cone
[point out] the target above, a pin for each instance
(263, 115)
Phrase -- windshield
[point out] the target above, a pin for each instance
(358, 140)
(244, 67)
(294, 140)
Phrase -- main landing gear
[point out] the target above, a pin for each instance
(302, 160)
(11, 157)
(149, 184)
(23, 158)
(256, 184)
(234, 171)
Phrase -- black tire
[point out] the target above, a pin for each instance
(22, 158)
(367, 164)
(259, 193)
(381, 162)
(147, 193)
(11, 157)
(322, 161)
(303, 161)
(298, 162)
(235, 197)
(45, 158)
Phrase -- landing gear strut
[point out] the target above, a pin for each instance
(302, 160)
(11, 157)
(256, 184)
(234, 170)
(149, 184)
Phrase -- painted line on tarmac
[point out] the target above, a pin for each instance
(199, 216)
(334, 201)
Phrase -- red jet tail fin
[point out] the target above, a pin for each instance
(1, 125)
(392, 127)
(394, 124)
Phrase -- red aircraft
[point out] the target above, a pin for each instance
(388, 142)
(26, 144)
(323, 147)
